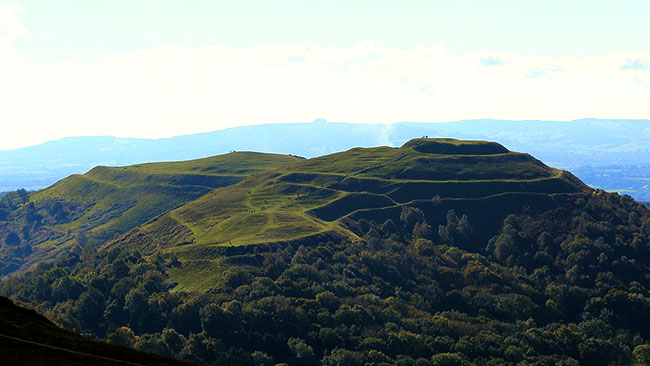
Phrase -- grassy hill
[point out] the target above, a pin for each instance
(322, 196)
(109, 201)
(27, 338)
(440, 252)
(197, 208)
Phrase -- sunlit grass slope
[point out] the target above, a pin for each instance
(109, 201)
(316, 196)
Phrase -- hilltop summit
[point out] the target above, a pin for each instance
(450, 146)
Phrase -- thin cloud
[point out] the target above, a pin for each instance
(636, 64)
(171, 90)
(542, 72)
(492, 61)
(10, 28)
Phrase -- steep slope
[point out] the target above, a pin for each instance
(27, 338)
(109, 201)
(323, 196)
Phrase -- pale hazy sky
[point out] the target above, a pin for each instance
(161, 68)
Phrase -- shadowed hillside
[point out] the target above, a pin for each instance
(27, 338)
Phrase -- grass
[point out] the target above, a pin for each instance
(121, 198)
(315, 196)
(198, 275)
(455, 147)
(147, 190)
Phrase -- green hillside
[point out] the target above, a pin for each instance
(109, 201)
(319, 196)
(252, 198)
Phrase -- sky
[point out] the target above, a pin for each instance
(160, 68)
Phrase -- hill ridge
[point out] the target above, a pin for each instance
(320, 195)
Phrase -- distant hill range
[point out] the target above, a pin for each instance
(608, 154)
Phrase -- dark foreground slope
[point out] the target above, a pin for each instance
(27, 338)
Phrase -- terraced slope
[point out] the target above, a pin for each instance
(27, 338)
(326, 195)
(123, 197)
(109, 201)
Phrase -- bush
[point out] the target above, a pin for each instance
(12, 239)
